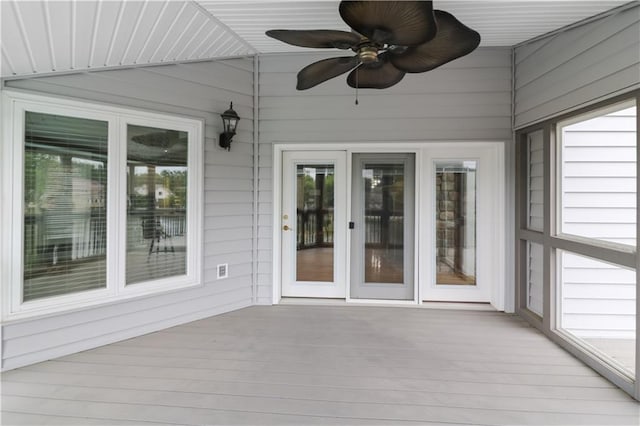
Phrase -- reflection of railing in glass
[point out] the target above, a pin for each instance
(456, 223)
(310, 235)
(315, 228)
(160, 223)
(393, 235)
(87, 239)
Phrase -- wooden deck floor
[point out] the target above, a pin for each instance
(322, 365)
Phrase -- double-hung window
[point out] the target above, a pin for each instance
(103, 204)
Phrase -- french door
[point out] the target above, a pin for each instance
(313, 224)
(461, 241)
(377, 226)
(382, 237)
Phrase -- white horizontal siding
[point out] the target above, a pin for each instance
(467, 99)
(577, 67)
(201, 90)
(598, 299)
(598, 158)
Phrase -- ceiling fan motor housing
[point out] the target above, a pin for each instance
(368, 54)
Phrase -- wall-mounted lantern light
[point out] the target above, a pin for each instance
(230, 121)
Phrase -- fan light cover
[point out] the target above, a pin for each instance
(389, 38)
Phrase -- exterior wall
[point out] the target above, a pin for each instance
(468, 99)
(198, 90)
(555, 75)
(577, 67)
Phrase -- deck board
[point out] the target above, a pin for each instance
(293, 364)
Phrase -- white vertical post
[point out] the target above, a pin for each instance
(637, 348)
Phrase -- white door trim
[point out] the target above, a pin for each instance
(498, 290)
(490, 229)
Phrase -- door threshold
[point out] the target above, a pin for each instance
(461, 306)
(310, 301)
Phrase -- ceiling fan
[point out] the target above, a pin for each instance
(389, 38)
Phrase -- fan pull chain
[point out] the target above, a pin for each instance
(357, 84)
(357, 72)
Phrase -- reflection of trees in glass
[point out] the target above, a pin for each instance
(38, 167)
(176, 182)
(42, 169)
(173, 181)
(312, 189)
(327, 202)
(385, 192)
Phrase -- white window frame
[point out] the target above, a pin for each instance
(15, 104)
(559, 179)
(552, 240)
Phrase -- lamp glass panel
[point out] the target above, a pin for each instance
(233, 123)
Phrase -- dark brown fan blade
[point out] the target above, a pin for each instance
(321, 71)
(406, 23)
(452, 41)
(319, 39)
(375, 76)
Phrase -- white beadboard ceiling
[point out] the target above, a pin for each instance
(49, 36)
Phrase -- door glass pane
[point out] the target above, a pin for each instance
(598, 175)
(598, 306)
(456, 222)
(315, 222)
(65, 187)
(157, 203)
(384, 223)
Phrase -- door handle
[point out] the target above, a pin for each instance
(286, 228)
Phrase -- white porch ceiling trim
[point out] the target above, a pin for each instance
(42, 37)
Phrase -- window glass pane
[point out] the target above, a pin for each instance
(598, 176)
(534, 277)
(157, 203)
(384, 215)
(315, 213)
(65, 187)
(535, 181)
(598, 306)
(456, 223)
